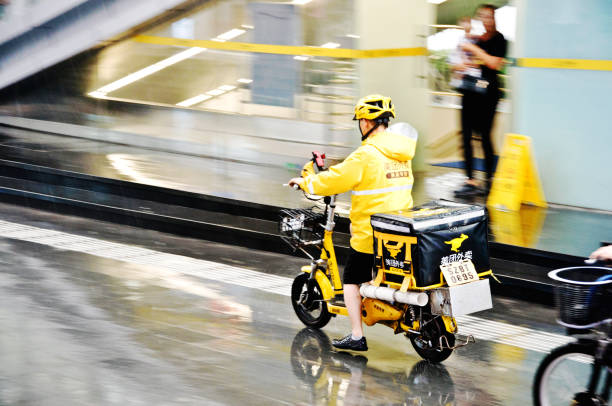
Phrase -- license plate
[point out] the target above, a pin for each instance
(459, 272)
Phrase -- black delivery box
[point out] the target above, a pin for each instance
(442, 232)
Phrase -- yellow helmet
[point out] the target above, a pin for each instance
(374, 106)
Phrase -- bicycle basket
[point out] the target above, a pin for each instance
(583, 295)
(300, 226)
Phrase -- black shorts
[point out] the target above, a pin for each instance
(359, 267)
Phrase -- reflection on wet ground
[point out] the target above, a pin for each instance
(81, 329)
(340, 374)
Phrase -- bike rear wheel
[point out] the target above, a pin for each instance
(564, 375)
(312, 311)
(427, 344)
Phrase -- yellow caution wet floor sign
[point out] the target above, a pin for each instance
(516, 180)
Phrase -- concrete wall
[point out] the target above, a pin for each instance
(566, 112)
(397, 24)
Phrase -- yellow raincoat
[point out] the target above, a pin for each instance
(379, 173)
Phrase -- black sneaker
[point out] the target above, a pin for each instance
(347, 343)
(469, 190)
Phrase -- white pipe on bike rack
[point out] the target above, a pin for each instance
(393, 295)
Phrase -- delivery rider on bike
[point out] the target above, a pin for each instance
(379, 174)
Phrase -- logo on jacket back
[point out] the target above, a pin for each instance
(398, 169)
(455, 243)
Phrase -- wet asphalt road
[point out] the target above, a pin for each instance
(79, 329)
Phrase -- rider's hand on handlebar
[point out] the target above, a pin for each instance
(310, 168)
(296, 182)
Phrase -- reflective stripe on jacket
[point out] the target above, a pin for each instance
(379, 173)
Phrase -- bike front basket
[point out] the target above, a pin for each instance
(583, 295)
(299, 227)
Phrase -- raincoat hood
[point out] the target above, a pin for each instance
(397, 142)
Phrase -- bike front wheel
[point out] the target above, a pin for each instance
(312, 311)
(564, 375)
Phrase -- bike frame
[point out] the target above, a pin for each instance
(603, 359)
(325, 270)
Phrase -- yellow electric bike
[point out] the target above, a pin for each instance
(417, 290)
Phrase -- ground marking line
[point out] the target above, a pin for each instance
(168, 265)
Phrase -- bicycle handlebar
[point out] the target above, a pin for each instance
(319, 164)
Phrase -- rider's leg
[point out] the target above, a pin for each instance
(352, 299)
(358, 270)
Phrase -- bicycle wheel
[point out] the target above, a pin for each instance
(563, 377)
(427, 344)
(314, 314)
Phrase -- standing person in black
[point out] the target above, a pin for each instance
(480, 97)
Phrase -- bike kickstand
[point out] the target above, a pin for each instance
(444, 342)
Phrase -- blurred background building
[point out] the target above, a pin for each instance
(207, 71)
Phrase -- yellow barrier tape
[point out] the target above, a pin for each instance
(583, 64)
(283, 49)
